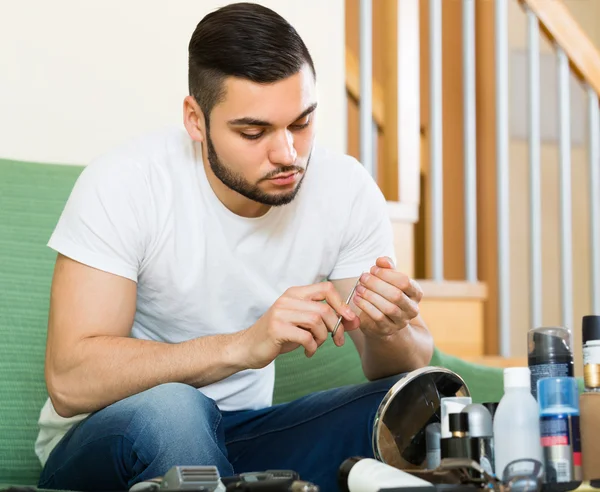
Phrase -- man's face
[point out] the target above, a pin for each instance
(260, 137)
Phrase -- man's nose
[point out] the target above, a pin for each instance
(283, 151)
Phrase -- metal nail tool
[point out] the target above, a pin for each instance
(339, 321)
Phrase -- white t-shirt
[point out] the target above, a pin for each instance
(147, 212)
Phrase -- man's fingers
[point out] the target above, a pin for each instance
(385, 262)
(375, 314)
(292, 332)
(400, 281)
(325, 291)
(326, 312)
(385, 289)
(345, 326)
(401, 311)
(328, 315)
(310, 321)
(304, 338)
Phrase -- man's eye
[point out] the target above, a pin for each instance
(300, 124)
(252, 136)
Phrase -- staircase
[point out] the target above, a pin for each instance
(446, 184)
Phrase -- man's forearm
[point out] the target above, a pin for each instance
(104, 369)
(404, 351)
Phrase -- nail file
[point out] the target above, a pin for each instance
(339, 321)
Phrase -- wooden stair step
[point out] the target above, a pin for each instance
(453, 311)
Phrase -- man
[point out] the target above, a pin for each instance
(189, 260)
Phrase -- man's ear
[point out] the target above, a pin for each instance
(193, 119)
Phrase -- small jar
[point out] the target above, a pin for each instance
(591, 352)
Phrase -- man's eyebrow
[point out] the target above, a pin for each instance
(248, 121)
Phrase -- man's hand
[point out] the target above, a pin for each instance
(388, 298)
(297, 318)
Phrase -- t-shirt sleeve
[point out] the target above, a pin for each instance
(104, 223)
(368, 234)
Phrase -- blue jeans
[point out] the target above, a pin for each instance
(142, 436)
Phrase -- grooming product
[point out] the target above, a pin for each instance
(479, 420)
(273, 485)
(258, 476)
(589, 408)
(591, 352)
(192, 477)
(559, 427)
(433, 436)
(550, 354)
(516, 424)
(452, 404)
(463, 446)
(369, 475)
(339, 321)
(459, 424)
(458, 444)
(481, 433)
(199, 478)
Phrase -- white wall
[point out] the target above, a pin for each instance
(77, 77)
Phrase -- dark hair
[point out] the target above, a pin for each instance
(243, 40)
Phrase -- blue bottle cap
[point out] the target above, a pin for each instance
(558, 392)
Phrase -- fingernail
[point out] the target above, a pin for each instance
(360, 289)
(349, 313)
(343, 341)
(364, 277)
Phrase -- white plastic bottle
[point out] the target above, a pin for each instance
(517, 421)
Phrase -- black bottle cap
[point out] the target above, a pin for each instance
(590, 328)
(344, 472)
(458, 422)
(548, 344)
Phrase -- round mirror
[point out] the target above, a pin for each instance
(407, 409)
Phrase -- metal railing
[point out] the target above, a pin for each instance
(436, 165)
(368, 130)
(535, 197)
(470, 140)
(502, 174)
(565, 216)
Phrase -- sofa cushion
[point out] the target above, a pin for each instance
(31, 199)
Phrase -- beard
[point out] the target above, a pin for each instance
(241, 185)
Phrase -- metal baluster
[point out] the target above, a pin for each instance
(366, 86)
(502, 174)
(564, 149)
(535, 207)
(470, 139)
(436, 170)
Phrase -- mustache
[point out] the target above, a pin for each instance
(282, 170)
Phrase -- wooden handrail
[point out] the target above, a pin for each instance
(560, 26)
(353, 88)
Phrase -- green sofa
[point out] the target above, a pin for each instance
(31, 199)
